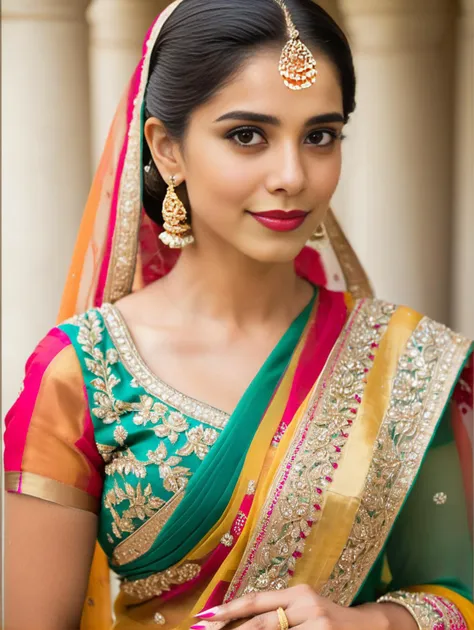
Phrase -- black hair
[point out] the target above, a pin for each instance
(202, 46)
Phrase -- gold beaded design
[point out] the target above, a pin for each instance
(177, 232)
(297, 65)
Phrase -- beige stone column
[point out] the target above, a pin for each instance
(117, 31)
(463, 215)
(395, 198)
(45, 167)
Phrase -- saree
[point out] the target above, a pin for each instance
(357, 427)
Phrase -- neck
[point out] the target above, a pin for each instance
(229, 286)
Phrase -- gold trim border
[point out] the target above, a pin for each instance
(50, 490)
(438, 354)
(349, 358)
(141, 541)
(123, 258)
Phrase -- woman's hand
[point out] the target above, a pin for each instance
(305, 610)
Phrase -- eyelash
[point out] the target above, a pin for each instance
(232, 136)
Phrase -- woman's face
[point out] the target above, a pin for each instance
(258, 146)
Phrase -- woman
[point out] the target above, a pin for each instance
(248, 433)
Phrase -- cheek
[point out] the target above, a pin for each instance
(217, 176)
(325, 176)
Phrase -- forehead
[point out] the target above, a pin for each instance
(259, 87)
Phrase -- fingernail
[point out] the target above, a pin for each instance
(208, 614)
(197, 627)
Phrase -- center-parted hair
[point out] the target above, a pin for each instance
(203, 45)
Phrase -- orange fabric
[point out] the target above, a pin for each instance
(57, 424)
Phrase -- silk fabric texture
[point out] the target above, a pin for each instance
(118, 251)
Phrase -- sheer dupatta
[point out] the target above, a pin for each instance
(118, 251)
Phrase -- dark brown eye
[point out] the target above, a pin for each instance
(245, 137)
(323, 137)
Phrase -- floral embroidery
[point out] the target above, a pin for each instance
(120, 435)
(148, 411)
(174, 476)
(172, 426)
(125, 463)
(199, 441)
(142, 505)
(162, 582)
(123, 467)
(106, 451)
(107, 409)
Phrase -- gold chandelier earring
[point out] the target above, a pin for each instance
(177, 231)
(319, 237)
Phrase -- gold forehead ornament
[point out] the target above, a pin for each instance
(297, 65)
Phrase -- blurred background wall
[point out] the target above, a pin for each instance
(406, 197)
(407, 192)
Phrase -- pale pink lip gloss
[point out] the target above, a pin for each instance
(281, 220)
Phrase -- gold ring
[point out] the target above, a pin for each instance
(282, 619)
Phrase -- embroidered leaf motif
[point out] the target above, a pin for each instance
(107, 408)
(120, 435)
(199, 441)
(174, 477)
(125, 463)
(141, 505)
(172, 425)
(148, 411)
(106, 452)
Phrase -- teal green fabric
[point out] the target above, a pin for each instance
(151, 449)
(430, 543)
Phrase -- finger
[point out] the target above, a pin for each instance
(248, 606)
(267, 621)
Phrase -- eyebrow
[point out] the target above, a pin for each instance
(273, 120)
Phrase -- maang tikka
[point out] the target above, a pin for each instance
(177, 231)
(297, 65)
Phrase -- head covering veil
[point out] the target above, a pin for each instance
(118, 251)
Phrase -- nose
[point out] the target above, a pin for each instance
(287, 173)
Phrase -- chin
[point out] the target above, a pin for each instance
(274, 252)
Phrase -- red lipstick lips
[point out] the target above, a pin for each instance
(281, 220)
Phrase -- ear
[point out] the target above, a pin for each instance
(164, 150)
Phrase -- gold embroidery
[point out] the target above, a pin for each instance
(199, 441)
(141, 541)
(251, 488)
(356, 279)
(129, 208)
(106, 451)
(174, 477)
(227, 540)
(142, 374)
(440, 498)
(148, 411)
(159, 583)
(172, 425)
(430, 612)
(120, 435)
(142, 505)
(159, 619)
(422, 385)
(125, 463)
(296, 499)
(107, 408)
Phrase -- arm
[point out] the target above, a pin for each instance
(53, 474)
(48, 553)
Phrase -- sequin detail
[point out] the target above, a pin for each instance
(159, 583)
(426, 370)
(145, 378)
(430, 612)
(297, 496)
(440, 498)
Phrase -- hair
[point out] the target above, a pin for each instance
(203, 45)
